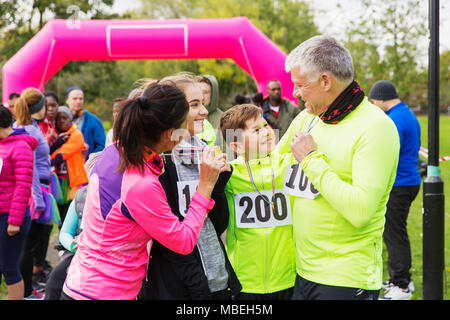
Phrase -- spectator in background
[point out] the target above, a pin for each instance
(256, 99)
(12, 98)
(29, 109)
(87, 123)
(210, 90)
(406, 186)
(68, 158)
(115, 106)
(16, 175)
(48, 124)
(278, 112)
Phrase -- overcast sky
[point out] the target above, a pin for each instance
(330, 19)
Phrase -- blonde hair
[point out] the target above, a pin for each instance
(179, 80)
(28, 97)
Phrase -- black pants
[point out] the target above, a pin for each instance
(34, 252)
(279, 295)
(63, 211)
(396, 235)
(55, 282)
(307, 290)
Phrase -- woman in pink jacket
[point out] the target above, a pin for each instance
(121, 216)
(16, 175)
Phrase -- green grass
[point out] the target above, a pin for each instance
(415, 216)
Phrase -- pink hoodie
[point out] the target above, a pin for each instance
(123, 212)
(16, 176)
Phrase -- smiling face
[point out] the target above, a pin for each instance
(310, 91)
(257, 140)
(63, 122)
(197, 111)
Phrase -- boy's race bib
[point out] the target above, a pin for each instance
(255, 210)
(297, 184)
(186, 190)
(1, 165)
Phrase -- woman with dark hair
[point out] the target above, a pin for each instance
(16, 174)
(206, 273)
(126, 206)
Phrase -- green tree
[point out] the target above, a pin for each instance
(286, 22)
(385, 44)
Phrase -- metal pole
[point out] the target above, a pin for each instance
(433, 186)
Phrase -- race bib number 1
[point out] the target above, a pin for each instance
(297, 184)
(255, 210)
(186, 190)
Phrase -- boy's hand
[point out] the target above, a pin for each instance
(302, 144)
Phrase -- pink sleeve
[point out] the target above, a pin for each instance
(23, 172)
(147, 204)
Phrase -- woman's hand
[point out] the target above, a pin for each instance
(222, 159)
(13, 230)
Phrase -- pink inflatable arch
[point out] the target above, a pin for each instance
(61, 41)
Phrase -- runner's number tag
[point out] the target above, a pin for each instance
(1, 165)
(297, 184)
(186, 190)
(252, 209)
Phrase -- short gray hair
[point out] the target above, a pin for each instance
(322, 53)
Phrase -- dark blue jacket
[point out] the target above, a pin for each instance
(93, 132)
(408, 128)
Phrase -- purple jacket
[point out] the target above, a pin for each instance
(41, 162)
(16, 175)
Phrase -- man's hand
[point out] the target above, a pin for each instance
(302, 144)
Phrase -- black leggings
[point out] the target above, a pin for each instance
(34, 252)
(279, 295)
(308, 290)
(55, 282)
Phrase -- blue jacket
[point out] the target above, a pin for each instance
(408, 128)
(93, 132)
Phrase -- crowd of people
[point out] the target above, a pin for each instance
(182, 200)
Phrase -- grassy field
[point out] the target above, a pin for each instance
(415, 216)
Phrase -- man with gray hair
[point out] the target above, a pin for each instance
(347, 151)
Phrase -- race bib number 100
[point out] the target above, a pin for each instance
(297, 184)
(255, 210)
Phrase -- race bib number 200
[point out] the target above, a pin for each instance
(255, 209)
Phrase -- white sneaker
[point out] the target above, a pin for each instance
(397, 293)
(386, 285)
(411, 286)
